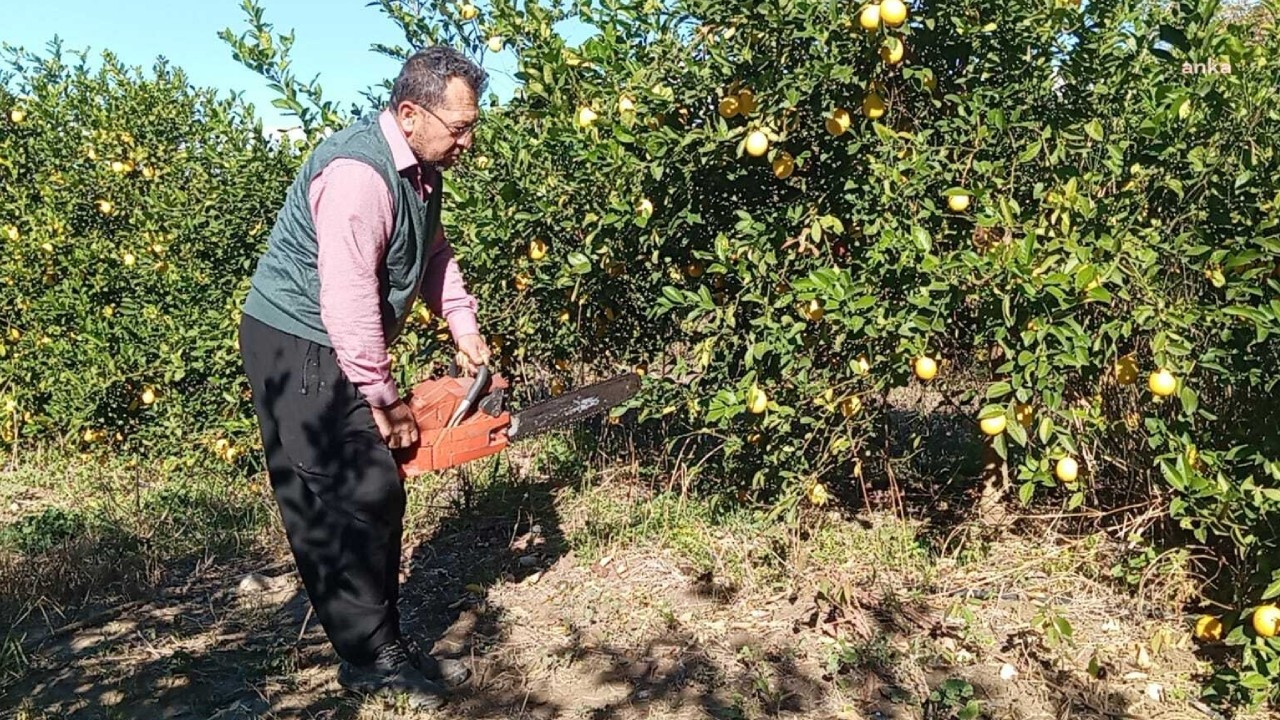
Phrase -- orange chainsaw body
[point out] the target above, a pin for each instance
(477, 435)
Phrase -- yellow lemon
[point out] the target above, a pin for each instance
(892, 51)
(586, 116)
(641, 369)
(992, 425)
(893, 12)
(839, 122)
(644, 207)
(106, 207)
(958, 203)
(757, 143)
(818, 494)
(1266, 621)
(626, 105)
(1126, 370)
(109, 311)
(148, 173)
(757, 400)
(728, 107)
(17, 115)
(746, 102)
(869, 18)
(495, 44)
(537, 249)
(1067, 470)
(1162, 383)
(148, 396)
(129, 259)
(469, 12)
(12, 232)
(783, 166)
(926, 368)
(872, 106)
(1209, 629)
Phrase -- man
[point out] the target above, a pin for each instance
(357, 240)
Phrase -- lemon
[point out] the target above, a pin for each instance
(129, 259)
(495, 44)
(626, 105)
(993, 425)
(818, 494)
(872, 106)
(869, 18)
(1266, 621)
(1126, 370)
(106, 207)
(12, 232)
(783, 166)
(537, 249)
(757, 400)
(644, 207)
(893, 12)
(1209, 629)
(757, 143)
(586, 116)
(1162, 383)
(728, 107)
(469, 12)
(892, 51)
(839, 122)
(926, 368)
(641, 369)
(958, 203)
(1067, 470)
(148, 396)
(17, 115)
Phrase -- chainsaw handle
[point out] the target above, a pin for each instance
(477, 387)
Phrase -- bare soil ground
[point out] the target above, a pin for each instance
(856, 620)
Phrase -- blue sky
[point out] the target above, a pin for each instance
(333, 42)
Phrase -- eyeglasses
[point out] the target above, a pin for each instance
(458, 134)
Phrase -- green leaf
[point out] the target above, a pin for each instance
(1094, 130)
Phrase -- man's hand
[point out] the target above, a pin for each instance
(472, 353)
(396, 424)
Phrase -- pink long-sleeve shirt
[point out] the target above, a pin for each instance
(351, 208)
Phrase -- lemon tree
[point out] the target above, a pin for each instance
(131, 209)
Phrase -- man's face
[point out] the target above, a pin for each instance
(439, 135)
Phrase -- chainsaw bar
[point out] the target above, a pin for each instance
(572, 406)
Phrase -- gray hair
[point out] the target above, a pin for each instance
(426, 72)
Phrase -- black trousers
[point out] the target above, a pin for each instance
(336, 484)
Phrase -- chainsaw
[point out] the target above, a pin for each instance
(461, 419)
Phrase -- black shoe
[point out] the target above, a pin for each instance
(393, 673)
(447, 671)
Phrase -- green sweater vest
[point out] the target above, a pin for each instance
(285, 290)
